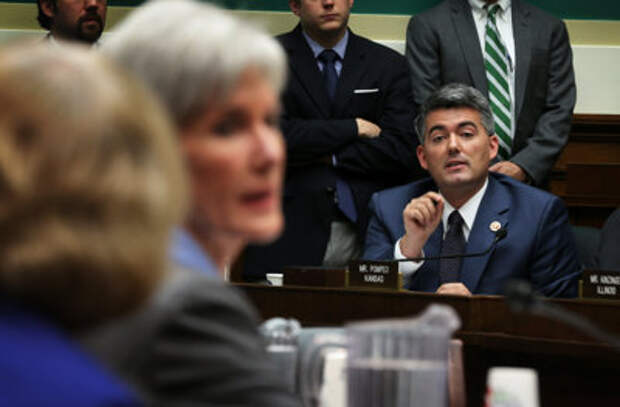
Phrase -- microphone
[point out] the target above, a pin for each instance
(499, 235)
(522, 298)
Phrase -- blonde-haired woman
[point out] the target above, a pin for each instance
(87, 163)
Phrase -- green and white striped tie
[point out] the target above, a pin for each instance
(497, 65)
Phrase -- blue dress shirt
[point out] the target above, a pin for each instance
(187, 253)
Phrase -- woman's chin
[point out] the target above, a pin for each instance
(264, 231)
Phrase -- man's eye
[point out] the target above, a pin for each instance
(438, 138)
(467, 134)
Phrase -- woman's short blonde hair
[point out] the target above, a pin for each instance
(90, 184)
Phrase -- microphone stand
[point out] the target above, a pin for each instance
(499, 235)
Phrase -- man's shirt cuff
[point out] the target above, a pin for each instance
(406, 268)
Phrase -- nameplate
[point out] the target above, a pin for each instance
(601, 284)
(314, 276)
(374, 274)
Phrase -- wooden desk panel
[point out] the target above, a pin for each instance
(593, 139)
(596, 181)
(315, 306)
(573, 368)
(581, 174)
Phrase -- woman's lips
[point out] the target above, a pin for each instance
(259, 200)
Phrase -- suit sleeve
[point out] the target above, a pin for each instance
(422, 54)
(211, 354)
(393, 153)
(554, 270)
(552, 127)
(379, 244)
(308, 140)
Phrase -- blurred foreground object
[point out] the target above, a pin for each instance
(87, 164)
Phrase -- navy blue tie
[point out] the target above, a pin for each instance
(453, 243)
(345, 199)
(344, 195)
(329, 57)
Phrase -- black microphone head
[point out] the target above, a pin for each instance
(520, 296)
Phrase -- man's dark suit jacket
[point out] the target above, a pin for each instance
(195, 343)
(373, 85)
(608, 257)
(538, 247)
(443, 47)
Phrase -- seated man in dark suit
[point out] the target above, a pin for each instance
(461, 207)
(347, 119)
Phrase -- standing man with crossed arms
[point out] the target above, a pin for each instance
(347, 119)
(516, 54)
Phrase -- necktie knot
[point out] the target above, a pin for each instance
(455, 220)
(328, 56)
(492, 11)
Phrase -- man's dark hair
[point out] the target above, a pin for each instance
(455, 95)
(44, 20)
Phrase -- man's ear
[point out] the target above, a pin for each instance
(422, 156)
(294, 5)
(493, 146)
(48, 7)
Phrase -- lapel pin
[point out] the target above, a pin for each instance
(495, 226)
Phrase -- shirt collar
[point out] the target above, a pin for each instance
(55, 43)
(340, 48)
(468, 210)
(479, 5)
(187, 253)
(51, 40)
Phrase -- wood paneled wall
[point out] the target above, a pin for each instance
(587, 174)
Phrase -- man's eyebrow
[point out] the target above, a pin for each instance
(467, 123)
(436, 127)
(460, 125)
